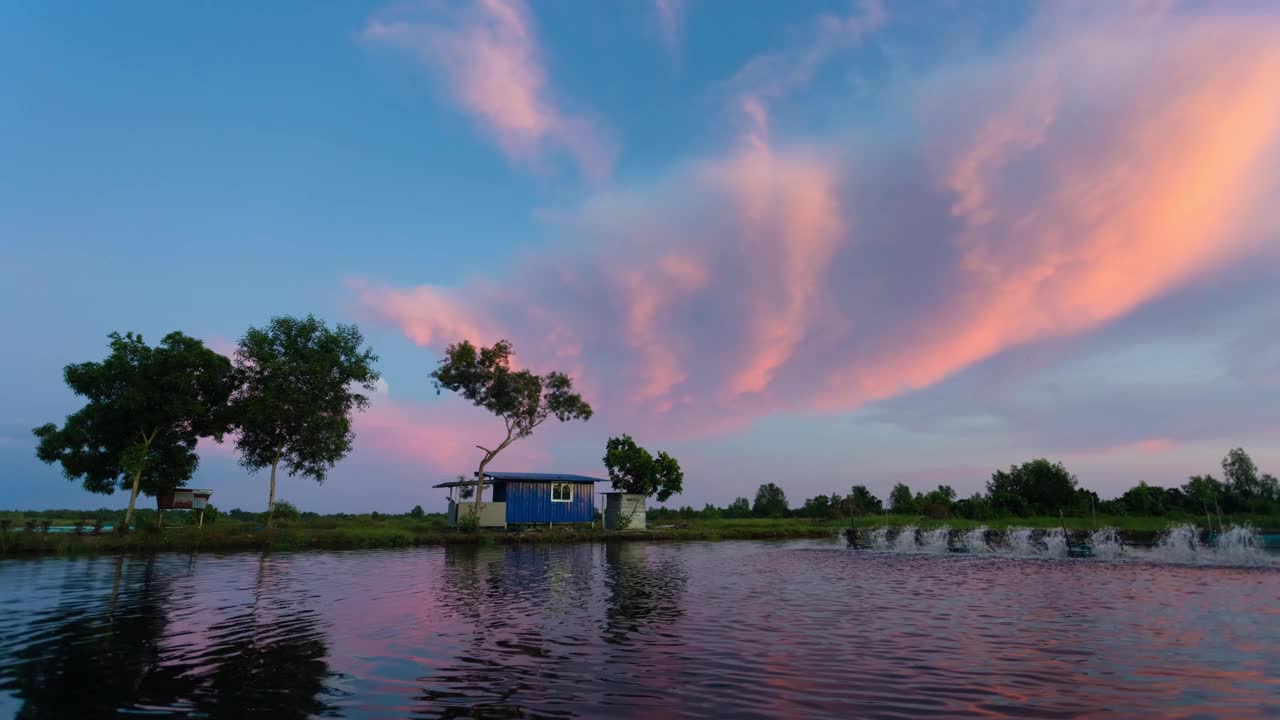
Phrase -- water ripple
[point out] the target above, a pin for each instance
(630, 630)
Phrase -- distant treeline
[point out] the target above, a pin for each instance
(1035, 488)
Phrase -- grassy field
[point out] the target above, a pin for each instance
(391, 532)
(329, 534)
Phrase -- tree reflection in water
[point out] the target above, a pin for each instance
(133, 651)
(528, 624)
(645, 595)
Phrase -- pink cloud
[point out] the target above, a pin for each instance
(670, 18)
(488, 55)
(440, 438)
(775, 75)
(1070, 180)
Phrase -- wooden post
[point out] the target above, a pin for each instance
(201, 525)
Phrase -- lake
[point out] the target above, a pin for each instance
(730, 629)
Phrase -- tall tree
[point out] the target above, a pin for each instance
(522, 399)
(633, 470)
(1038, 487)
(770, 501)
(300, 383)
(146, 409)
(1240, 474)
(863, 502)
(901, 500)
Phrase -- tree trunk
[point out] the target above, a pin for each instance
(133, 496)
(271, 499)
(475, 508)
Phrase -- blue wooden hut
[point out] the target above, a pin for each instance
(520, 498)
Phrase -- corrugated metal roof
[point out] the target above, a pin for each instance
(531, 477)
(542, 477)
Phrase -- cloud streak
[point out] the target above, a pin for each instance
(1053, 188)
(488, 56)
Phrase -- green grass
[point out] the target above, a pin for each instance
(335, 534)
(329, 533)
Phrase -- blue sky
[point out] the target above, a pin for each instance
(814, 244)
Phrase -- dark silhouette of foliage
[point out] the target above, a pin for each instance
(299, 385)
(770, 502)
(146, 407)
(522, 399)
(632, 469)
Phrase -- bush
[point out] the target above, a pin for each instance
(468, 522)
(285, 510)
(417, 512)
(935, 511)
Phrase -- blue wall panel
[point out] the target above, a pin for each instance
(530, 502)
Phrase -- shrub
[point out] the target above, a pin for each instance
(417, 512)
(285, 510)
(468, 521)
(935, 511)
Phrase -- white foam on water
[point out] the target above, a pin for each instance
(1238, 545)
(1181, 544)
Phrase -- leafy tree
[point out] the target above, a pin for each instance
(146, 409)
(633, 470)
(770, 501)
(901, 501)
(1035, 487)
(739, 508)
(1240, 474)
(1202, 492)
(863, 502)
(816, 507)
(522, 399)
(300, 382)
(285, 510)
(417, 512)
(1143, 499)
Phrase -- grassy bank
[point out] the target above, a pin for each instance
(362, 532)
(325, 534)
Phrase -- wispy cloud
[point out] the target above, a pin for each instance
(487, 54)
(1074, 178)
(670, 20)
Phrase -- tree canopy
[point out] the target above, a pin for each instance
(300, 382)
(770, 501)
(633, 470)
(1038, 487)
(901, 501)
(521, 398)
(146, 408)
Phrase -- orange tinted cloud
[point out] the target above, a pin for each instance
(488, 55)
(1153, 192)
(1073, 178)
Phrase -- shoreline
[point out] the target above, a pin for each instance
(291, 539)
(227, 537)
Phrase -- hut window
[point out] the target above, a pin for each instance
(561, 492)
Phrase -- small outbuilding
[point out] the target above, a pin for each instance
(620, 508)
(519, 498)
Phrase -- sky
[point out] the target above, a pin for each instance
(818, 244)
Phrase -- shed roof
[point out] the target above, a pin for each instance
(534, 477)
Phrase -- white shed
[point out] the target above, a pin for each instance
(620, 505)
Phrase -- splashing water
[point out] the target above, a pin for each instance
(975, 540)
(1182, 544)
(1107, 544)
(906, 539)
(934, 541)
(1238, 545)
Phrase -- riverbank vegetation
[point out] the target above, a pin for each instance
(1038, 493)
(345, 532)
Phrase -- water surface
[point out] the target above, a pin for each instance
(741, 629)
